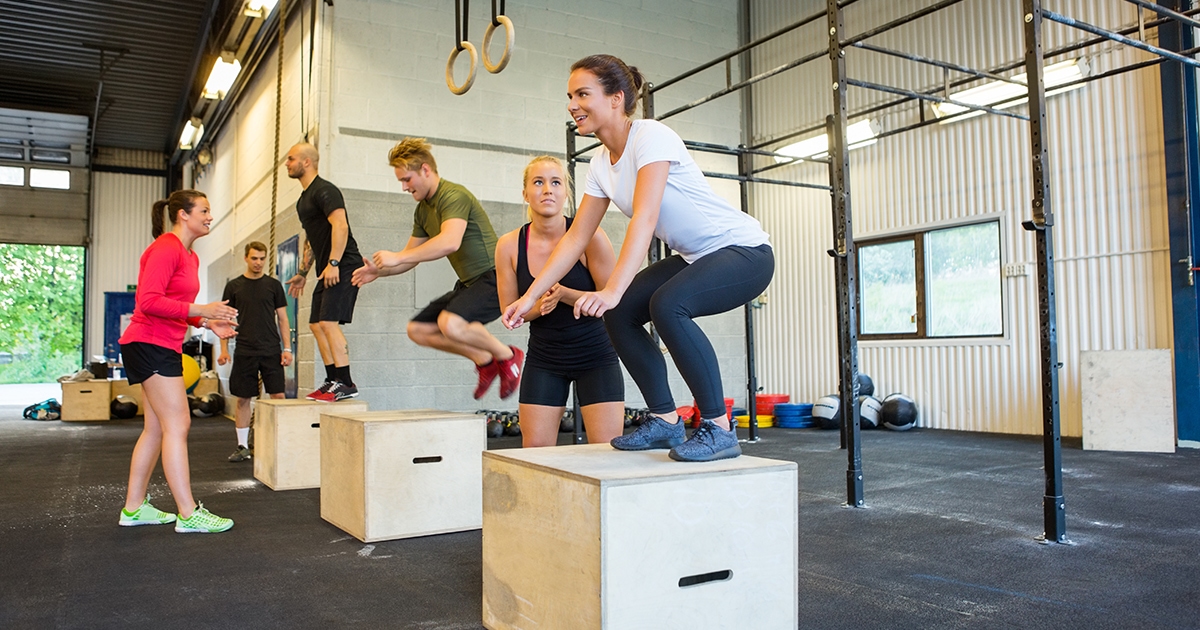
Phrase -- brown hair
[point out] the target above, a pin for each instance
(256, 246)
(410, 153)
(179, 200)
(614, 76)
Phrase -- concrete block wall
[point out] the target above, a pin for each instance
(380, 67)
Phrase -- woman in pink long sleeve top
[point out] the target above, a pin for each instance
(151, 349)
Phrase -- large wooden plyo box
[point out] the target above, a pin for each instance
(85, 400)
(287, 441)
(400, 474)
(589, 537)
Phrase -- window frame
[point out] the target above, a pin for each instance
(921, 266)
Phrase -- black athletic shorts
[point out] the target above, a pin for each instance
(143, 360)
(479, 302)
(243, 378)
(336, 303)
(550, 388)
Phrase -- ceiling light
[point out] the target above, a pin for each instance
(224, 72)
(192, 132)
(860, 134)
(259, 8)
(1002, 95)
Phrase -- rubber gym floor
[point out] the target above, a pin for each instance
(946, 542)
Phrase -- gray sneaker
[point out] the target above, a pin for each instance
(241, 454)
(709, 442)
(654, 433)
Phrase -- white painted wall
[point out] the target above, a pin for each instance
(379, 77)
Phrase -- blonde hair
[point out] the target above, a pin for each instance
(411, 153)
(553, 160)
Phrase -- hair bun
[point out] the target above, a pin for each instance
(639, 79)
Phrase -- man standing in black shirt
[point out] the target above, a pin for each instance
(330, 246)
(262, 327)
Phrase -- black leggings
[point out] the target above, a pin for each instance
(671, 293)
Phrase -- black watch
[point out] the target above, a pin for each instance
(333, 262)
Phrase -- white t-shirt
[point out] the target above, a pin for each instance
(693, 221)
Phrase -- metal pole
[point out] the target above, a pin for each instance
(1121, 39)
(745, 166)
(572, 160)
(845, 258)
(1054, 510)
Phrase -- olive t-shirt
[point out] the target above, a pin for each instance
(477, 253)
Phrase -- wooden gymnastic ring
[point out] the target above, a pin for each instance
(509, 36)
(461, 89)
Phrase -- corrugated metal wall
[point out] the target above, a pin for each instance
(1106, 160)
(121, 230)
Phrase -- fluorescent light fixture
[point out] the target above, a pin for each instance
(259, 8)
(192, 132)
(224, 72)
(860, 134)
(1001, 95)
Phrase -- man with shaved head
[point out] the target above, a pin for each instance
(329, 246)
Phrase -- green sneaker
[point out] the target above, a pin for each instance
(241, 454)
(146, 514)
(202, 522)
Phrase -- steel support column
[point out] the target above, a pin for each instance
(845, 260)
(1054, 510)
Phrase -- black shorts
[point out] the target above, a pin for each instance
(550, 388)
(143, 360)
(243, 378)
(336, 303)
(479, 302)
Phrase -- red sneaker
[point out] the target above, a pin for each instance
(487, 374)
(510, 372)
(326, 393)
(317, 393)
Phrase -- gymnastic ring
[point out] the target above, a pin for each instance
(461, 89)
(509, 36)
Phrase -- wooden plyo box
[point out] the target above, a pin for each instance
(207, 385)
(400, 474)
(589, 537)
(287, 441)
(85, 400)
(121, 387)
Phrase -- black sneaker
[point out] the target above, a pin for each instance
(241, 454)
(340, 391)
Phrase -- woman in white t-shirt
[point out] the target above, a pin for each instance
(723, 259)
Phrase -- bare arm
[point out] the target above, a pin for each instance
(285, 333)
(599, 259)
(296, 283)
(506, 272)
(445, 243)
(340, 235)
(647, 199)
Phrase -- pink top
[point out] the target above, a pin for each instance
(168, 281)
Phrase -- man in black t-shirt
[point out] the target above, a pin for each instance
(262, 328)
(330, 246)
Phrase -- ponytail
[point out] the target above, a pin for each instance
(179, 200)
(614, 76)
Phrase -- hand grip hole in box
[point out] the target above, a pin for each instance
(427, 460)
(316, 425)
(704, 578)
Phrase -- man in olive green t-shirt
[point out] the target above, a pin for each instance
(450, 223)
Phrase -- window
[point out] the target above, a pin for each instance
(46, 178)
(12, 176)
(933, 284)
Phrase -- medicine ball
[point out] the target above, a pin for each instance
(827, 412)
(123, 407)
(898, 412)
(868, 412)
(866, 386)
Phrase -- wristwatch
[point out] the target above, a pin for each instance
(333, 262)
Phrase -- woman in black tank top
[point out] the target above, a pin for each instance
(562, 349)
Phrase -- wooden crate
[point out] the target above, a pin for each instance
(86, 400)
(400, 474)
(287, 441)
(589, 537)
